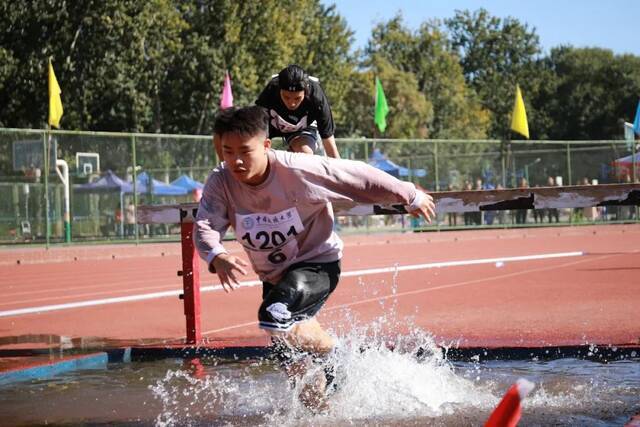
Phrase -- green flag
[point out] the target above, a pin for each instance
(382, 109)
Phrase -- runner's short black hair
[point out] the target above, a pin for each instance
(293, 78)
(245, 121)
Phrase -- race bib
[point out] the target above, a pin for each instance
(270, 239)
(284, 126)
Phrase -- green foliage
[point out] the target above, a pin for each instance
(158, 67)
(495, 54)
(359, 102)
(409, 111)
(455, 110)
(110, 58)
(594, 91)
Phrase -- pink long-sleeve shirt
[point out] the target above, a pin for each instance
(288, 218)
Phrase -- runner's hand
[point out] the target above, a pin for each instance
(426, 209)
(226, 267)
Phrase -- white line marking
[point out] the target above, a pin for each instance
(402, 294)
(154, 295)
(459, 263)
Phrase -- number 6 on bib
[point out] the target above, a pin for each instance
(277, 257)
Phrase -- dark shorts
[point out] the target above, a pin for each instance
(310, 136)
(298, 296)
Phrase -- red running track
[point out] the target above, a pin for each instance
(569, 300)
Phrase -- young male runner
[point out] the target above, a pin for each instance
(279, 205)
(299, 112)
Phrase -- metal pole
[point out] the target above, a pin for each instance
(635, 177)
(64, 177)
(633, 160)
(503, 163)
(514, 181)
(366, 159)
(47, 143)
(569, 179)
(122, 214)
(135, 189)
(435, 160)
(15, 198)
(569, 164)
(366, 151)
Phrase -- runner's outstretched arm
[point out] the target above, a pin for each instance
(424, 206)
(226, 266)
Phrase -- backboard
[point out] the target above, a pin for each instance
(29, 154)
(87, 163)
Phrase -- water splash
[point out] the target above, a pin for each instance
(382, 378)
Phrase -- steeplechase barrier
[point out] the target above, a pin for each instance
(582, 196)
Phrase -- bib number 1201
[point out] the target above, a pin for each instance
(265, 240)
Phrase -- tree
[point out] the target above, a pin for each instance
(326, 55)
(409, 111)
(594, 91)
(426, 54)
(110, 58)
(157, 66)
(495, 54)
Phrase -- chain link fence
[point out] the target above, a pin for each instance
(62, 187)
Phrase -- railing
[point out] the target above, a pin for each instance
(33, 192)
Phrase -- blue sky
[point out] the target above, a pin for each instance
(612, 24)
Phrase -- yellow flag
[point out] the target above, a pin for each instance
(519, 119)
(55, 103)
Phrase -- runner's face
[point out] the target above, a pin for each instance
(292, 100)
(246, 157)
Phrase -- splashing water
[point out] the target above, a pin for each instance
(399, 380)
(376, 378)
(373, 381)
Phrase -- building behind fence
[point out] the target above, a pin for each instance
(33, 201)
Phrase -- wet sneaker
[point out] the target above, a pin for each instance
(330, 376)
(423, 354)
(330, 373)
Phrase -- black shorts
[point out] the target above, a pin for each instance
(310, 135)
(298, 296)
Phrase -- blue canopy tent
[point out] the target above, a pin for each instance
(158, 188)
(188, 183)
(420, 173)
(107, 183)
(380, 161)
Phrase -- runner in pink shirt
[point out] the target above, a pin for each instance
(279, 205)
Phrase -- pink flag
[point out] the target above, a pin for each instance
(226, 100)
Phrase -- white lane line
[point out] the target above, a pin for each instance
(154, 295)
(171, 285)
(455, 285)
(402, 294)
(459, 263)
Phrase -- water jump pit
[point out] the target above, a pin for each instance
(380, 380)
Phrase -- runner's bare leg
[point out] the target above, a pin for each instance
(298, 145)
(310, 337)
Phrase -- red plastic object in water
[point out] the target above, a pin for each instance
(509, 411)
(634, 421)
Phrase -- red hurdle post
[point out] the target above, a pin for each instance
(190, 280)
